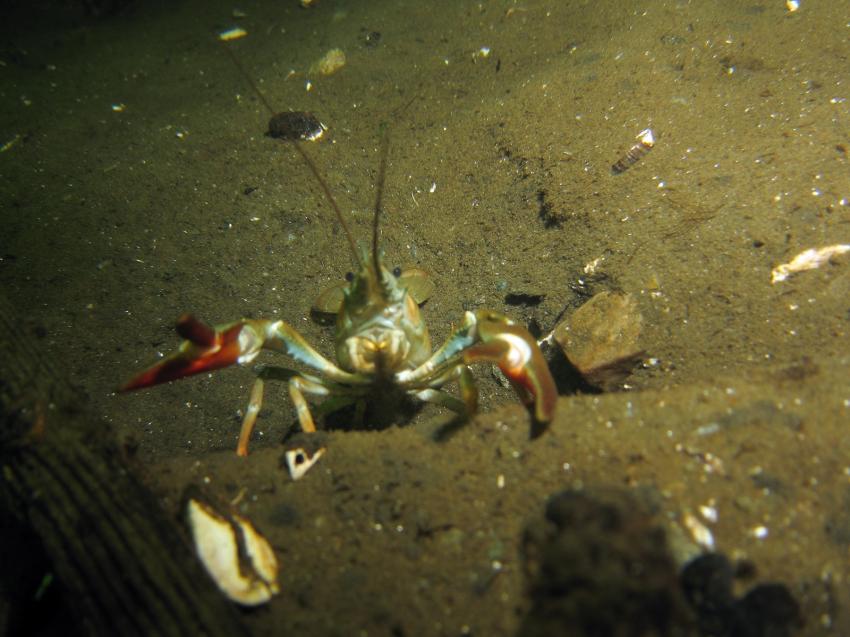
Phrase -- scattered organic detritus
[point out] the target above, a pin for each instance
(234, 33)
(807, 260)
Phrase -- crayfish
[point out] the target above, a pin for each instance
(381, 340)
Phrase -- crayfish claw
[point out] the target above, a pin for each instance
(195, 330)
(204, 349)
(517, 354)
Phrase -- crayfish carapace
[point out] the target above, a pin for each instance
(381, 341)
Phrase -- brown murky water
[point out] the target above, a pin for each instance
(137, 184)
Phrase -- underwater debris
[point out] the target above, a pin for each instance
(238, 558)
(699, 532)
(232, 34)
(296, 125)
(481, 54)
(299, 460)
(330, 62)
(807, 260)
(7, 145)
(288, 125)
(301, 453)
(645, 143)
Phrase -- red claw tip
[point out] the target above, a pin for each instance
(196, 331)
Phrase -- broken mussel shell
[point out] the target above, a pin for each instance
(296, 126)
(302, 453)
(239, 559)
(601, 339)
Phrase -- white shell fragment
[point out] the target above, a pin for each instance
(807, 260)
(239, 559)
(299, 461)
(700, 533)
(646, 137)
(481, 54)
(232, 34)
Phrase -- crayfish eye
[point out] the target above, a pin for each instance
(396, 272)
(349, 276)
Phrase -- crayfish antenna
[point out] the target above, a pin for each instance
(304, 156)
(331, 200)
(376, 221)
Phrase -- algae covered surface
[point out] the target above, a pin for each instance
(137, 184)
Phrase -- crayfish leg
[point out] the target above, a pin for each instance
(468, 390)
(255, 403)
(298, 385)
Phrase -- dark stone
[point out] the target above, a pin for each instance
(767, 610)
(599, 566)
